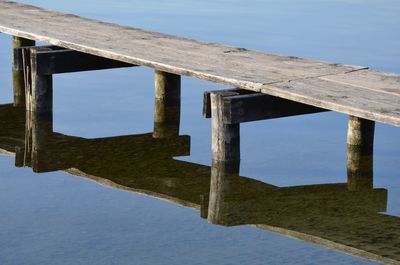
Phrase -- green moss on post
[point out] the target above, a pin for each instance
(360, 146)
(167, 104)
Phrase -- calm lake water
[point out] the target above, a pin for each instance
(60, 218)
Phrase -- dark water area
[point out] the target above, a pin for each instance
(103, 190)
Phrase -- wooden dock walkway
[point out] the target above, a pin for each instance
(353, 90)
(266, 86)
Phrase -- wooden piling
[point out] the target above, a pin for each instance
(41, 98)
(360, 145)
(18, 74)
(167, 104)
(225, 138)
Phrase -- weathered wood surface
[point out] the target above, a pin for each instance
(40, 90)
(245, 106)
(360, 153)
(225, 138)
(17, 71)
(207, 98)
(257, 71)
(353, 100)
(167, 104)
(58, 61)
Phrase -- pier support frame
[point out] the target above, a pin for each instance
(17, 72)
(167, 107)
(41, 62)
(33, 76)
(360, 146)
(229, 108)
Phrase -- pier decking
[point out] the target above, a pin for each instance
(353, 90)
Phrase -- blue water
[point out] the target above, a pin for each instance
(55, 218)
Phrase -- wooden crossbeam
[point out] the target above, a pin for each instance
(57, 60)
(207, 98)
(245, 106)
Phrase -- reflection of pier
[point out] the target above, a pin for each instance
(344, 217)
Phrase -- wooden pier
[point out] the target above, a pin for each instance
(265, 86)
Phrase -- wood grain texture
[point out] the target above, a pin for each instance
(17, 71)
(360, 150)
(238, 67)
(352, 100)
(58, 61)
(207, 98)
(241, 107)
(371, 80)
(225, 138)
(41, 97)
(167, 104)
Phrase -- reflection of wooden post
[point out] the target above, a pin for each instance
(18, 74)
(360, 145)
(41, 129)
(167, 104)
(225, 137)
(222, 175)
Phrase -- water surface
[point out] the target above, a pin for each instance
(58, 218)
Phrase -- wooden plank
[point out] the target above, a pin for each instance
(258, 106)
(238, 67)
(207, 98)
(245, 106)
(18, 54)
(213, 62)
(352, 100)
(58, 61)
(370, 80)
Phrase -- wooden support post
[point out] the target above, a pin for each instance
(41, 94)
(225, 138)
(167, 104)
(18, 74)
(360, 145)
(223, 174)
